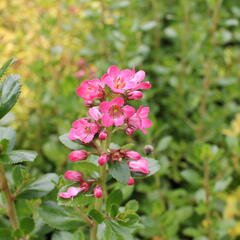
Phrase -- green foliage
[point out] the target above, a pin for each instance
(120, 171)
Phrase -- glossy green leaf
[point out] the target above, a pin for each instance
(18, 156)
(9, 92)
(8, 134)
(6, 65)
(115, 198)
(27, 225)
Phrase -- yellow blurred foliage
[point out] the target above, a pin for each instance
(235, 127)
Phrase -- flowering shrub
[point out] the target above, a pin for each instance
(108, 106)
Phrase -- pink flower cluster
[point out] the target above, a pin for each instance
(107, 100)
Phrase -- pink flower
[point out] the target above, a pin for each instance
(71, 192)
(91, 89)
(102, 135)
(125, 80)
(83, 130)
(113, 112)
(139, 119)
(97, 191)
(73, 176)
(135, 95)
(139, 166)
(117, 79)
(132, 155)
(131, 181)
(94, 113)
(78, 155)
(103, 159)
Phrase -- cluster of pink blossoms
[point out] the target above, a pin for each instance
(106, 100)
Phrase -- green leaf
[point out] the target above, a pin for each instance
(85, 167)
(114, 231)
(5, 234)
(96, 215)
(40, 187)
(27, 225)
(6, 65)
(191, 176)
(120, 172)
(62, 236)
(128, 146)
(8, 134)
(59, 217)
(132, 206)
(129, 220)
(20, 156)
(164, 143)
(115, 198)
(114, 210)
(153, 166)
(18, 174)
(69, 143)
(9, 92)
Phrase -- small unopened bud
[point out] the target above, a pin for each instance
(97, 191)
(133, 155)
(129, 131)
(148, 149)
(85, 186)
(103, 159)
(135, 95)
(102, 135)
(131, 181)
(78, 155)
(73, 176)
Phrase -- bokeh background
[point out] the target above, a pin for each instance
(190, 51)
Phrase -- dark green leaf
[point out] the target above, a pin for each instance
(59, 217)
(120, 171)
(9, 92)
(6, 65)
(115, 198)
(27, 225)
(96, 215)
(114, 210)
(40, 187)
(5, 234)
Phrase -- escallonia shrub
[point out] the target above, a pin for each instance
(96, 162)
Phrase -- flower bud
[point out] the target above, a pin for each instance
(129, 131)
(135, 95)
(103, 159)
(131, 181)
(94, 113)
(148, 149)
(78, 155)
(97, 191)
(73, 176)
(139, 166)
(133, 155)
(102, 135)
(85, 186)
(71, 192)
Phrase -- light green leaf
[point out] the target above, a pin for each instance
(9, 134)
(69, 143)
(115, 198)
(20, 156)
(153, 166)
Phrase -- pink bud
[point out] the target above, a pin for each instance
(94, 113)
(103, 159)
(97, 191)
(71, 192)
(131, 181)
(129, 131)
(78, 155)
(135, 95)
(133, 155)
(73, 176)
(139, 166)
(102, 135)
(85, 186)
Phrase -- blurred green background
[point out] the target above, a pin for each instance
(190, 51)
